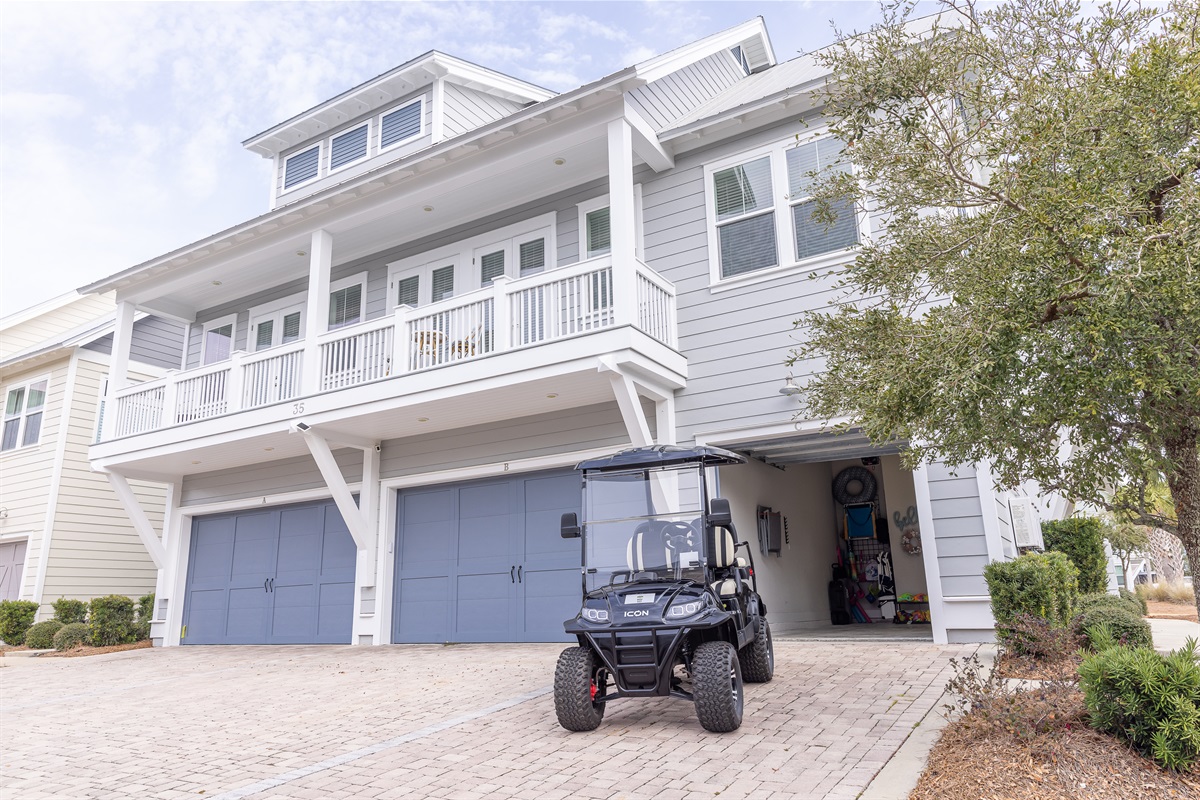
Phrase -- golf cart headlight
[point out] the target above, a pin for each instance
(595, 614)
(685, 609)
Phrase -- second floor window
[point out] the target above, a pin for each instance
(217, 342)
(23, 409)
(302, 167)
(345, 306)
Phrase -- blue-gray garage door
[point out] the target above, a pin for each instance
(271, 576)
(484, 562)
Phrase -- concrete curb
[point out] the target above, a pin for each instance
(23, 653)
(900, 774)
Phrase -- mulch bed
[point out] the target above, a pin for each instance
(96, 651)
(1012, 666)
(973, 761)
(1159, 609)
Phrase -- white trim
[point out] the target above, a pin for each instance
(321, 156)
(378, 118)
(933, 574)
(987, 507)
(785, 235)
(60, 451)
(595, 204)
(228, 319)
(366, 150)
(437, 105)
(462, 255)
(23, 417)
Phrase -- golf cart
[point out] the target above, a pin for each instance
(670, 609)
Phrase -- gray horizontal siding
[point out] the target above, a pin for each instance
(264, 478)
(958, 530)
(155, 341)
(667, 99)
(468, 109)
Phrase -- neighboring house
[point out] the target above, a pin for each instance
(465, 285)
(63, 533)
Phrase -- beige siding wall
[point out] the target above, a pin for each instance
(25, 472)
(81, 311)
(94, 550)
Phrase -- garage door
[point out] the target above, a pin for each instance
(484, 562)
(270, 576)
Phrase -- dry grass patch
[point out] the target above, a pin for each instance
(1167, 592)
(79, 652)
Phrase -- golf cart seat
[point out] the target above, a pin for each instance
(645, 549)
(724, 560)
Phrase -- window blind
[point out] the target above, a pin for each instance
(401, 124)
(348, 147)
(814, 238)
(301, 167)
(532, 256)
(345, 306)
(407, 290)
(748, 245)
(443, 283)
(264, 334)
(291, 327)
(217, 344)
(491, 266)
(742, 189)
(599, 232)
(809, 158)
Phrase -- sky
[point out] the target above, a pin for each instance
(121, 123)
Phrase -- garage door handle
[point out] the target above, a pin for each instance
(520, 569)
(272, 584)
(512, 576)
(265, 582)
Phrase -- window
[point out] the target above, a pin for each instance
(595, 238)
(760, 210)
(740, 56)
(443, 283)
(278, 323)
(346, 301)
(491, 266)
(409, 291)
(302, 167)
(531, 256)
(216, 342)
(23, 409)
(347, 148)
(400, 125)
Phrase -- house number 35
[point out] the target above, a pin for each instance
(297, 408)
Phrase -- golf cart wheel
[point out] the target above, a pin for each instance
(758, 657)
(717, 687)
(578, 683)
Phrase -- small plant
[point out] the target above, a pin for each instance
(144, 613)
(1120, 624)
(1166, 593)
(1134, 597)
(1089, 601)
(110, 620)
(1082, 539)
(15, 618)
(40, 636)
(985, 699)
(68, 611)
(1037, 584)
(1153, 701)
(71, 636)
(1035, 638)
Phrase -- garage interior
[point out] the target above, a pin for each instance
(784, 504)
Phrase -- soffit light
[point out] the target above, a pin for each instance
(790, 389)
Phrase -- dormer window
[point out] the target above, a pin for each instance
(400, 125)
(348, 147)
(740, 55)
(301, 167)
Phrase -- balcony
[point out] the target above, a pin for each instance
(508, 316)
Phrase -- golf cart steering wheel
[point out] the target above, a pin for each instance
(678, 537)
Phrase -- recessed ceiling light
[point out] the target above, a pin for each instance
(428, 208)
(422, 419)
(301, 253)
(195, 462)
(268, 449)
(552, 395)
(216, 283)
(558, 162)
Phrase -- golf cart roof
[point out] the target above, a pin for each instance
(662, 455)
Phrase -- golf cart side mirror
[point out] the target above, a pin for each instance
(719, 514)
(569, 526)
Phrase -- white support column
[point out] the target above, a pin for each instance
(664, 420)
(366, 594)
(622, 221)
(165, 581)
(401, 340)
(118, 370)
(933, 574)
(320, 262)
(502, 314)
(141, 523)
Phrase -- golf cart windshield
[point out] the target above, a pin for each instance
(643, 525)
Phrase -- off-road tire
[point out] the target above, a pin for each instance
(573, 690)
(717, 687)
(758, 657)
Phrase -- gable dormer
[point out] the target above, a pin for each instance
(418, 104)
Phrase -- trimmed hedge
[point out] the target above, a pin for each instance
(1134, 597)
(71, 636)
(1039, 584)
(1090, 601)
(1121, 624)
(1153, 701)
(15, 618)
(144, 613)
(110, 620)
(40, 636)
(68, 611)
(1082, 539)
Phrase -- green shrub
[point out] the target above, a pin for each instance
(1089, 601)
(1039, 584)
(71, 636)
(1152, 701)
(1082, 539)
(68, 611)
(110, 620)
(40, 635)
(145, 613)
(1134, 597)
(15, 618)
(1034, 637)
(1121, 624)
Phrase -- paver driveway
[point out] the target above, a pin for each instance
(465, 721)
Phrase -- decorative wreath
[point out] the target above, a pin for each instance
(910, 540)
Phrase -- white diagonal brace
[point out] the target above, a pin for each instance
(141, 523)
(332, 474)
(645, 141)
(630, 406)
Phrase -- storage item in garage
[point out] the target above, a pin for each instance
(860, 521)
(839, 597)
(770, 531)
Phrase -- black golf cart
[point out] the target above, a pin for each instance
(670, 608)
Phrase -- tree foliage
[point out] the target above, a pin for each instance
(1127, 539)
(1033, 300)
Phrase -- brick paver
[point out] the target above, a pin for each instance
(465, 721)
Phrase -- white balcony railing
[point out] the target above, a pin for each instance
(508, 315)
